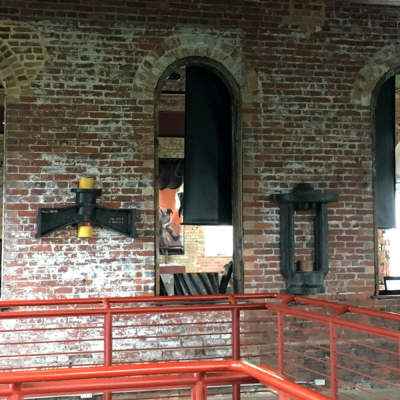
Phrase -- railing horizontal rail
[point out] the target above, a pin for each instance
(51, 354)
(59, 327)
(368, 392)
(144, 299)
(367, 346)
(382, 381)
(124, 311)
(88, 379)
(55, 341)
(378, 331)
(366, 361)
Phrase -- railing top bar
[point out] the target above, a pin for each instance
(358, 326)
(131, 310)
(263, 374)
(319, 302)
(374, 313)
(49, 302)
(113, 371)
(164, 303)
(138, 299)
(352, 309)
(271, 378)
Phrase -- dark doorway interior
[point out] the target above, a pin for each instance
(195, 181)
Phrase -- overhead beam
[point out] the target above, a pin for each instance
(377, 2)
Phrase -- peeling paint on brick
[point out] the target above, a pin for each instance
(308, 15)
(305, 117)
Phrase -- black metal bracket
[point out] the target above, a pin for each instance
(86, 211)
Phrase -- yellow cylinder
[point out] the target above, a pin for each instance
(85, 231)
(86, 183)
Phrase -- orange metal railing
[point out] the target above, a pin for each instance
(333, 349)
(18, 385)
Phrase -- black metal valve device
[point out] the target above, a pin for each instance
(86, 214)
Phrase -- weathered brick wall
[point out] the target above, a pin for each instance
(171, 147)
(88, 110)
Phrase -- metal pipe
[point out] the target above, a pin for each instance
(176, 381)
(114, 371)
(138, 299)
(333, 360)
(270, 378)
(107, 336)
(199, 389)
(126, 311)
(74, 378)
(107, 331)
(15, 391)
(281, 344)
(374, 330)
(235, 343)
(281, 335)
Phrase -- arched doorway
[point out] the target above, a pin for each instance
(387, 183)
(198, 168)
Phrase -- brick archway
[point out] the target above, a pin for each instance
(225, 58)
(227, 52)
(380, 67)
(23, 56)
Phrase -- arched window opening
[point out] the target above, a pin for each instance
(387, 185)
(197, 166)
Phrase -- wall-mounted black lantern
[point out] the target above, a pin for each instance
(304, 198)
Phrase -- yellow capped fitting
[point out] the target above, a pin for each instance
(86, 183)
(85, 231)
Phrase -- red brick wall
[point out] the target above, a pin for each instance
(84, 115)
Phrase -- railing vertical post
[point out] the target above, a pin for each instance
(235, 344)
(16, 393)
(333, 360)
(398, 353)
(107, 341)
(281, 336)
(281, 344)
(199, 389)
(236, 334)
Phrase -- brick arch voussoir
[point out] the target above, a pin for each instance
(180, 47)
(386, 62)
(9, 64)
(19, 70)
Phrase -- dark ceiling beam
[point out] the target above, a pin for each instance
(377, 2)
